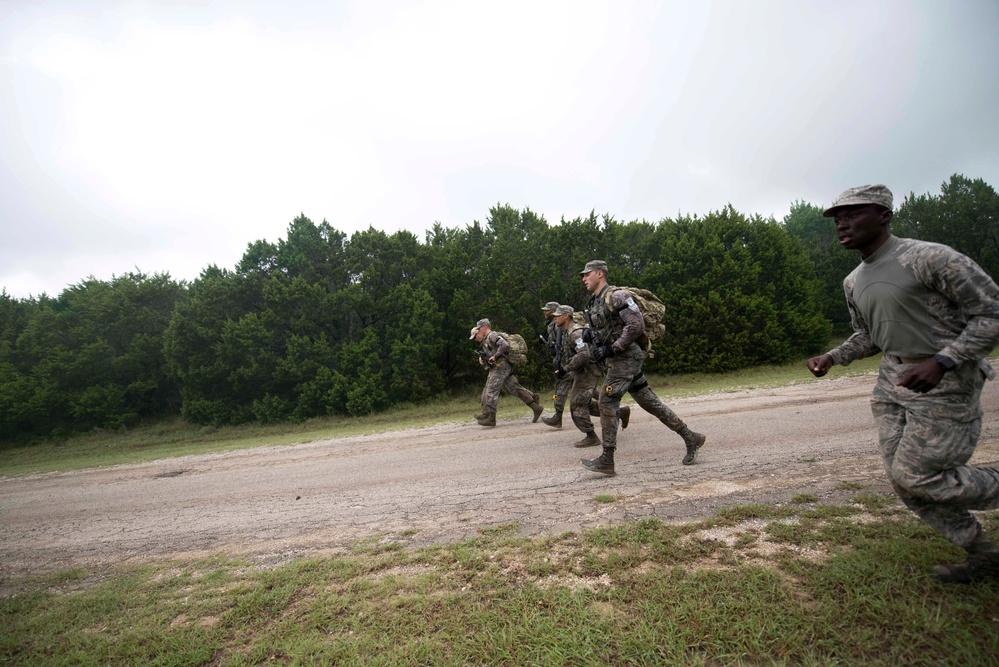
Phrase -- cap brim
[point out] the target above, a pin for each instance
(474, 331)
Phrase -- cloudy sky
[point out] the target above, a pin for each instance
(165, 136)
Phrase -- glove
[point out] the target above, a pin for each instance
(587, 335)
(603, 352)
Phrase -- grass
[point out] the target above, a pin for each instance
(174, 437)
(782, 585)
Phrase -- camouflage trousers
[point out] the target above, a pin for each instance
(583, 393)
(926, 442)
(501, 378)
(563, 386)
(624, 374)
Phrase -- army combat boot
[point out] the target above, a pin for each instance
(589, 440)
(625, 412)
(554, 420)
(694, 442)
(536, 407)
(488, 418)
(982, 563)
(603, 463)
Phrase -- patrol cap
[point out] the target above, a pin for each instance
(551, 305)
(563, 310)
(478, 325)
(864, 194)
(594, 265)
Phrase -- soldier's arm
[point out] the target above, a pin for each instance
(961, 280)
(580, 350)
(500, 346)
(634, 324)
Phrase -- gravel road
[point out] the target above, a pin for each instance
(426, 485)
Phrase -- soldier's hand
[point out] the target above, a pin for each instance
(820, 365)
(587, 335)
(923, 376)
(602, 352)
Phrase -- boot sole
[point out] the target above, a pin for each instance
(602, 471)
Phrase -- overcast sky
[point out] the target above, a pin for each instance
(166, 136)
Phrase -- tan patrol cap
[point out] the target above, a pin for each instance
(864, 194)
(594, 265)
(478, 325)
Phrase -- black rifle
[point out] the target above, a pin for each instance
(555, 349)
(484, 358)
(590, 337)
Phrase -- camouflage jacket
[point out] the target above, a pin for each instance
(494, 345)
(961, 303)
(619, 325)
(576, 353)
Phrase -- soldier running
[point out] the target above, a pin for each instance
(493, 353)
(618, 324)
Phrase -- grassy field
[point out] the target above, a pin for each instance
(802, 583)
(799, 584)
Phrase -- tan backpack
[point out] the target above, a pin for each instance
(517, 355)
(653, 312)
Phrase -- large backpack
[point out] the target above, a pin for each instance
(653, 312)
(517, 355)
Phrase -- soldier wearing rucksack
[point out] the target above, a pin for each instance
(618, 325)
(563, 383)
(584, 376)
(500, 352)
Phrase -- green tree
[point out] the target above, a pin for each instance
(832, 262)
(964, 216)
(92, 358)
(739, 292)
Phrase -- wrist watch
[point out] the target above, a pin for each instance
(946, 363)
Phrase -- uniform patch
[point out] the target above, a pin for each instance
(631, 304)
(580, 344)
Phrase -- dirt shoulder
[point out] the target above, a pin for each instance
(444, 483)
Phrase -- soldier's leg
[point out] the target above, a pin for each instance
(926, 461)
(562, 388)
(582, 397)
(648, 401)
(531, 399)
(490, 393)
(621, 369)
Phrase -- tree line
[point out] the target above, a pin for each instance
(322, 324)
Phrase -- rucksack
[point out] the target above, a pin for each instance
(653, 312)
(517, 355)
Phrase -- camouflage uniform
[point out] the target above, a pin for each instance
(927, 439)
(563, 382)
(501, 378)
(583, 375)
(619, 324)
